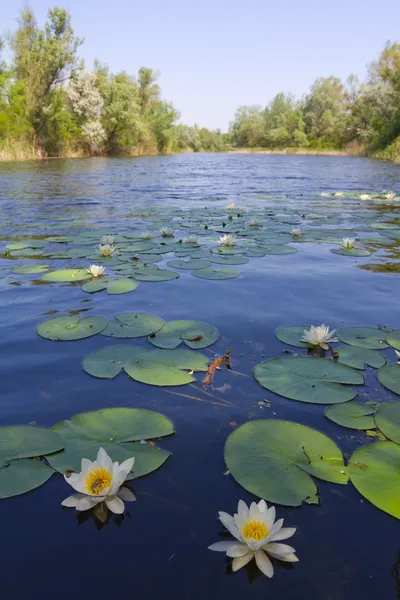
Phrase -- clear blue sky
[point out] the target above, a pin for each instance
(214, 55)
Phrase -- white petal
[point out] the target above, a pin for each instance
(115, 504)
(104, 460)
(75, 481)
(127, 465)
(237, 550)
(86, 464)
(291, 558)
(126, 494)
(243, 510)
(242, 561)
(269, 517)
(72, 501)
(283, 534)
(229, 522)
(254, 512)
(87, 502)
(222, 546)
(262, 506)
(264, 564)
(278, 549)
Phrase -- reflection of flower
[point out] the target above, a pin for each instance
(107, 240)
(255, 222)
(348, 243)
(107, 250)
(296, 232)
(364, 196)
(100, 481)
(227, 240)
(256, 534)
(191, 239)
(145, 235)
(167, 232)
(319, 336)
(95, 270)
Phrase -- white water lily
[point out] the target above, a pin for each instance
(191, 239)
(319, 336)
(231, 206)
(365, 196)
(255, 222)
(107, 240)
(257, 534)
(348, 243)
(107, 250)
(387, 195)
(324, 194)
(100, 481)
(145, 235)
(338, 194)
(167, 232)
(296, 232)
(227, 240)
(96, 270)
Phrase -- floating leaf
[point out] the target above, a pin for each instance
(166, 367)
(95, 285)
(71, 327)
(358, 357)
(228, 260)
(113, 429)
(212, 273)
(133, 325)
(274, 460)
(352, 415)
(393, 338)
(316, 380)
(22, 476)
(374, 472)
(365, 337)
(387, 420)
(276, 249)
(227, 250)
(192, 264)
(292, 334)
(351, 251)
(66, 275)
(156, 275)
(30, 269)
(108, 362)
(194, 334)
(121, 286)
(389, 376)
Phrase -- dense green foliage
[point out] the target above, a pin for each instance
(363, 117)
(51, 105)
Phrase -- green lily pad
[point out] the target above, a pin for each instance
(95, 285)
(228, 260)
(274, 459)
(194, 334)
(211, 273)
(374, 472)
(114, 429)
(316, 380)
(389, 377)
(352, 415)
(276, 249)
(71, 327)
(292, 334)
(113, 286)
(108, 362)
(358, 357)
(22, 476)
(387, 419)
(393, 338)
(166, 367)
(192, 264)
(66, 275)
(351, 251)
(156, 275)
(30, 269)
(133, 325)
(366, 337)
(227, 250)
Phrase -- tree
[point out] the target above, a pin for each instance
(325, 112)
(248, 126)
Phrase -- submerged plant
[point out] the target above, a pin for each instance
(319, 336)
(107, 250)
(100, 481)
(107, 240)
(348, 243)
(227, 240)
(166, 232)
(296, 232)
(96, 270)
(257, 534)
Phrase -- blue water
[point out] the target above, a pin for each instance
(347, 548)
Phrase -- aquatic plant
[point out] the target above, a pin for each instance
(348, 243)
(296, 232)
(107, 250)
(96, 270)
(319, 336)
(107, 240)
(145, 235)
(227, 240)
(167, 232)
(191, 239)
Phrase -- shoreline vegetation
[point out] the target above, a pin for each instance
(52, 105)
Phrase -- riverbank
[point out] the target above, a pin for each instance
(306, 151)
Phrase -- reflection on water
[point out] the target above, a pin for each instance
(345, 545)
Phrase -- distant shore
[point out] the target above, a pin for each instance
(307, 151)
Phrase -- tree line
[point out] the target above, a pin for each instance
(51, 105)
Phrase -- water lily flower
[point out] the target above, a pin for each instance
(107, 240)
(96, 270)
(145, 235)
(227, 240)
(348, 243)
(191, 239)
(100, 481)
(365, 196)
(324, 194)
(296, 232)
(231, 206)
(319, 336)
(387, 195)
(338, 194)
(257, 534)
(255, 222)
(167, 232)
(107, 250)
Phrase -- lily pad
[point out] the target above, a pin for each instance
(30, 269)
(393, 338)
(156, 275)
(358, 357)
(71, 327)
(365, 337)
(276, 249)
(228, 260)
(389, 377)
(133, 325)
(351, 251)
(22, 476)
(374, 472)
(108, 362)
(66, 275)
(113, 286)
(387, 419)
(211, 273)
(274, 459)
(292, 334)
(114, 429)
(192, 264)
(166, 367)
(316, 380)
(194, 334)
(352, 415)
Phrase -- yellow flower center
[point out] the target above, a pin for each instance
(255, 530)
(97, 481)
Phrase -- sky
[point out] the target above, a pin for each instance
(215, 55)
